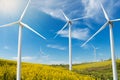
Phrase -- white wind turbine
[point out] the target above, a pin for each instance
(110, 22)
(94, 48)
(21, 25)
(41, 52)
(69, 24)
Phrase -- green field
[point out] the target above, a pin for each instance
(84, 71)
(98, 70)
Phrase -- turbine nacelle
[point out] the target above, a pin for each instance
(110, 22)
(20, 20)
(20, 23)
(70, 22)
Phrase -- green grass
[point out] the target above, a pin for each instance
(98, 70)
(101, 70)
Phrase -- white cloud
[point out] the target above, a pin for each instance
(25, 58)
(76, 8)
(6, 47)
(80, 34)
(42, 59)
(28, 58)
(52, 7)
(56, 47)
(93, 8)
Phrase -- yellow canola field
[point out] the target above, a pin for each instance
(38, 72)
(90, 65)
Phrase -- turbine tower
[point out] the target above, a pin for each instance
(21, 25)
(69, 24)
(110, 23)
(94, 48)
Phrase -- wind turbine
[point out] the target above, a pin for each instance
(110, 23)
(69, 24)
(94, 48)
(21, 25)
(41, 52)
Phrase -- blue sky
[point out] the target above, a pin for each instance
(46, 18)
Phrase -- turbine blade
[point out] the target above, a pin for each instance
(93, 46)
(96, 48)
(25, 10)
(28, 27)
(95, 34)
(80, 18)
(65, 15)
(61, 29)
(40, 51)
(115, 20)
(9, 24)
(105, 13)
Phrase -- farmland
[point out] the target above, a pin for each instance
(99, 70)
(32, 71)
(84, 71)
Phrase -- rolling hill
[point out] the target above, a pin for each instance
(84, 71)
(98, 70)
(32, 71)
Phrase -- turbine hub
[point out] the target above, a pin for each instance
(20, 23)
(70, 22)
(110, 22)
